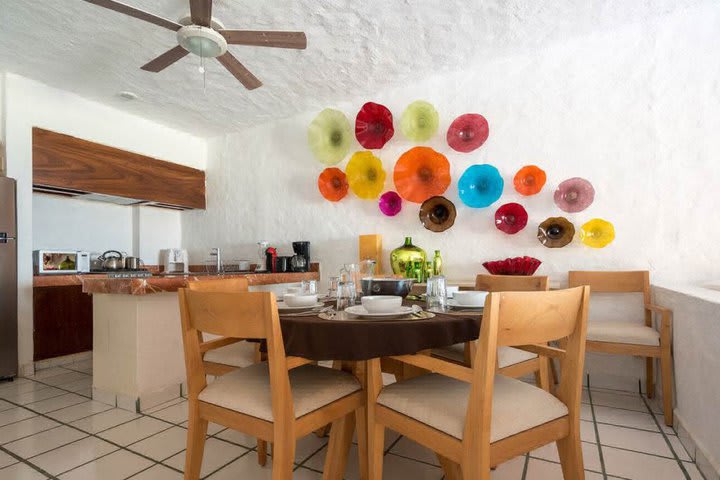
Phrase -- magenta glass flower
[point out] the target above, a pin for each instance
(468, 132)
(511, 218)
(390, 203)
(574, 195)
(374, 125)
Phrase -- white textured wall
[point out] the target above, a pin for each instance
(80, 224)
(634, 110)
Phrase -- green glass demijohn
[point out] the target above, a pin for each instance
(405, 255)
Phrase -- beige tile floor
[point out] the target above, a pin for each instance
(50, 428)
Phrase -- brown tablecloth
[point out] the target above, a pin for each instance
(318, 339)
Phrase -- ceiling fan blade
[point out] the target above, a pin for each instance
(239, 71)
(201, 12)
(165, 60)
(137, 13)
(266, 39)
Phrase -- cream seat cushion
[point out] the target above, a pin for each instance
(247, 390)
(240, 354)
(441, 402)
(506, 355)
(623, 332)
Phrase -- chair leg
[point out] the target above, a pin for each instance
(452, 470)
(554, 373)
(197, 430)
(283, 457)
(261, 452)
(542, 374)
(338, 447)
(650, 376)
(667, 387)
(571, 459)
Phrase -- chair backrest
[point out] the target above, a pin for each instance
(534, 319)
(228, 285)
(510, 283)
(238, 315)
(615, 282)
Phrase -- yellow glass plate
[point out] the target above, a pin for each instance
(365, 175)
(597, 233)
(330, 136)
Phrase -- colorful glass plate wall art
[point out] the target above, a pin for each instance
(556, 232)
(574, 195)
(529, 180)
(597, 233)
(511, 218)
(437, 214)
(333, 184)
(419, 121)
(365, 174)
(468, 132)
(374, 125)
(421, 173)
(390, 204)
(330, 136)
(480, 186)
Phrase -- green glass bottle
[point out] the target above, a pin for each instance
(428, 270)
(406, 253)
(437, 265)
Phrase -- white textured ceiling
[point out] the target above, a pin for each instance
(355, 48)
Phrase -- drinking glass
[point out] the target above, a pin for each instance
(345, 296)
(333, 286)
(436, 293)
(308, 287)
(351, 273)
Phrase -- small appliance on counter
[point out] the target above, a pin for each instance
(301, 261)
(60, 262)
(175, 260)
(119, 265)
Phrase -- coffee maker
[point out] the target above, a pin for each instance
(301, 261)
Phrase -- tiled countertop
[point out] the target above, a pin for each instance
(100, 283)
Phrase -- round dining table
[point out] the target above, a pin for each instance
(352, 343)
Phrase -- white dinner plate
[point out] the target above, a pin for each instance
(360, 311)
(455, 304)
(282, 307)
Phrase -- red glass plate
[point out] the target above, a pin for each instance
(511, 218)
(468, 132)
(374, 125)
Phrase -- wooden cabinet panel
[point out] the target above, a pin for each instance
(80, 166)
(63, 322)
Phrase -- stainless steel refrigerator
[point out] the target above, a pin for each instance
(8, 280)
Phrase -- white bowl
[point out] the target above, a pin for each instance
(293, 290)
(470, 298)
(451, 290)
(381, 303)
(297, 300)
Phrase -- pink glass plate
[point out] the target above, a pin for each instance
(574, 195)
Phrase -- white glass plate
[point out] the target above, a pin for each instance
(360, 311)
(455, 304)
(282, 307)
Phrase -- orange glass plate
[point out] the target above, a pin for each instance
(421, 173)
(333, 184)
(529, 180)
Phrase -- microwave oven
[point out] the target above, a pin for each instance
(60, 262)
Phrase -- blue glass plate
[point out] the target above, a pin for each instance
(480, 186)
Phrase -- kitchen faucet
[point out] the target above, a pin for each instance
(215, 252)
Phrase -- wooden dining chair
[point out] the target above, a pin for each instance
(278, 401)
(474, 418)
(223, 355)
(633, 338)
(512, 362)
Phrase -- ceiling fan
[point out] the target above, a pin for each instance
(206, 37)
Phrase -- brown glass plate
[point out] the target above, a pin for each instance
(437, 214)
(556, 232)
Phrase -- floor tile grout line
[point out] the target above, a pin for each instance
(667, 441)
(523, 476)
(629, 427)
(299, 465)
(558, 463)
(94, 435)
(406, 457)
(226, 464)
(597, 431)
(25, 462)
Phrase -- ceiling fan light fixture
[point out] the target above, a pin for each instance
(202, 41)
